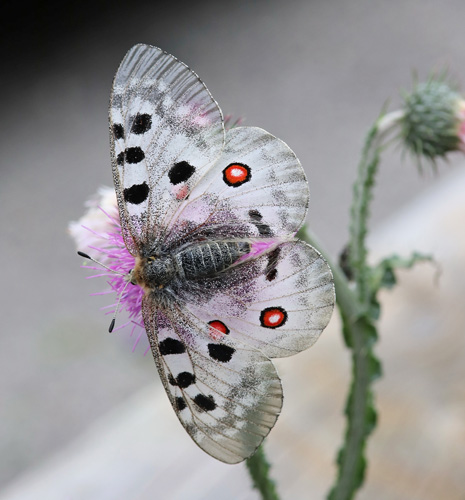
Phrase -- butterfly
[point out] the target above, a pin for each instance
(210, 217)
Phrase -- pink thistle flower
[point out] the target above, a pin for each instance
(98, 232)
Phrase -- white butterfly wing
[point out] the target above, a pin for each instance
(288, 301)
(179, 181)
(227, 395)
(166, 131)
(257, 182)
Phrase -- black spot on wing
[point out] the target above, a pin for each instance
(221, 352)
(130, 155)
(205, 403)
(256, 218)
(185, 379)
(136, 194)
(142, 123)
(270, 270)
(118, 131)
(180, 403)
(134, 155)
(171, 346)
(181, 172)
(264, 229)
(255, 215)
(271, 275)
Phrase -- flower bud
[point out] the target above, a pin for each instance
(434, 120)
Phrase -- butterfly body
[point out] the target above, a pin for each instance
(173, 271)
(210, 217)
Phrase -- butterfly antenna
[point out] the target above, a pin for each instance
(82, 254)
(113, 321)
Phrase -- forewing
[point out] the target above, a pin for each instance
(278, 303)
(166, 131)
(258, 183)
(227, 395)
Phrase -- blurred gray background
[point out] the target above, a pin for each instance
(314, 73)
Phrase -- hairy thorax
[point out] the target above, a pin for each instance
(154, 272)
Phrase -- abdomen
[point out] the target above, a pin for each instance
(208, 259)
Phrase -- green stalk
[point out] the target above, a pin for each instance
(259, 469)
(362, 196)
(358, 320)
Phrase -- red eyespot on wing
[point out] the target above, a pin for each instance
(218, 329)
(236, 174)
(273, 317)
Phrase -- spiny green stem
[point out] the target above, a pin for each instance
(259, 469)
(360, 334)
(360, 411)
(358, 324)
(362, 196)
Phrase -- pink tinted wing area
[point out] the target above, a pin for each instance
(278, 303)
